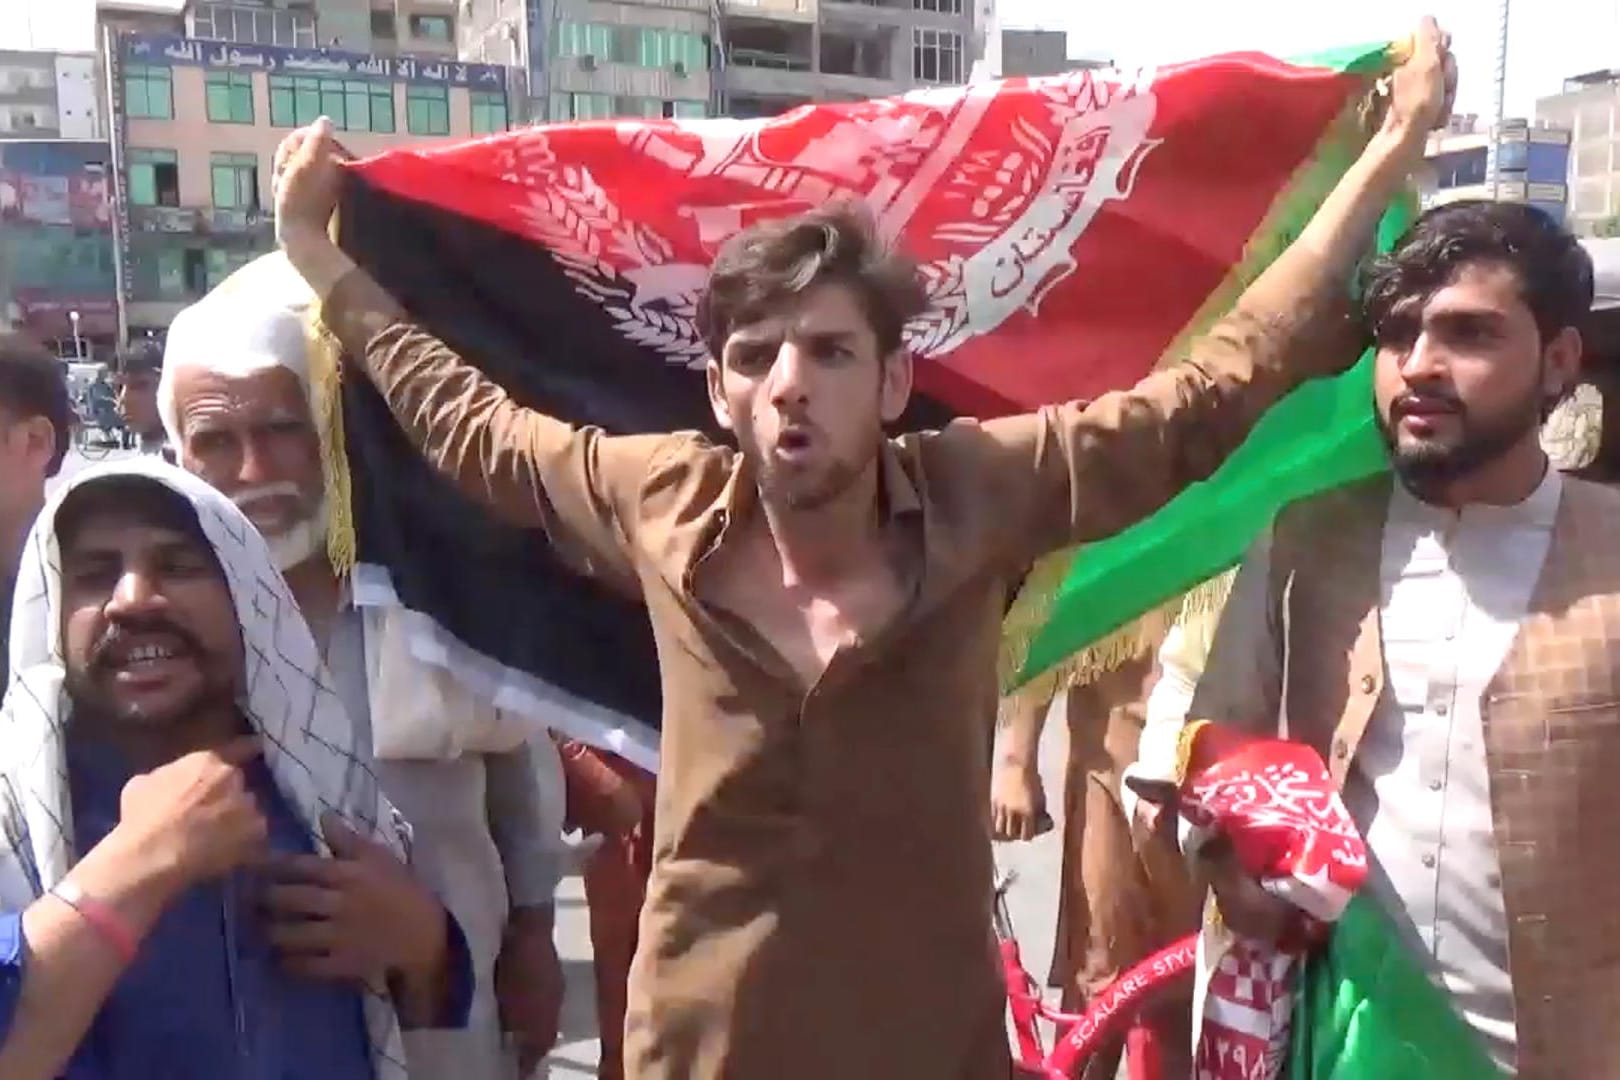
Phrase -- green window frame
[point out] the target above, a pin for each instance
(142, 172)
(351, 104)
(427, 110)
(230, 97)
(148, 92)
(666, 48)
(566, 106)
(234, 180)
(585, 39)
(440, 28)
(489, 114)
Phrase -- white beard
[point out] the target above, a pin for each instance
(300, 543)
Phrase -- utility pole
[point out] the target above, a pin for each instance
(1493, 162)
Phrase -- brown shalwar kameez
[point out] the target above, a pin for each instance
(820, 898)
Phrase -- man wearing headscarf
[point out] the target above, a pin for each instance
(199, 877)
(485, 800)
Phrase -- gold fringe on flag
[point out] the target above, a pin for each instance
(326, 384)
(1293, 207)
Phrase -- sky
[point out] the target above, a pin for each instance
(1547, 40)
(1560, 38)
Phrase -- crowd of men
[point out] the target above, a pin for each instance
(248, 832)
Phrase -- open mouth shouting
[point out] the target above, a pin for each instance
(145, 658)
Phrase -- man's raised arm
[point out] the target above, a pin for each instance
(1081, 472)
(578, 484)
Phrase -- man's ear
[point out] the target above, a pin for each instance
(39, 439)
(894, 393)
(1561, 367)
(714, 376)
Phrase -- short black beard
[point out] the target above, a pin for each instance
(1428, 471)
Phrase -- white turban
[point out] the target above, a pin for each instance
(258, 318)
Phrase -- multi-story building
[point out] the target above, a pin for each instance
(594, 59)
(56, 248)
(49, 95)
(1534, 159)
(196, 122)
(1035, 52)
(1589, 108)
(778, 54)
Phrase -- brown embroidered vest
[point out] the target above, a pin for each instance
(1552, 734)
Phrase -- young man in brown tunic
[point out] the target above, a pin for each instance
(827, 602)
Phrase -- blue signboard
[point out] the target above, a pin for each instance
(162, 49)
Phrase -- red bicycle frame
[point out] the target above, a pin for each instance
(1078, 1034)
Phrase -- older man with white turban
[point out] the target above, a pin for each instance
(484, 799)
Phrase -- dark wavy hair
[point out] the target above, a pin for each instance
(766, 264)
(34, 383)
(1554, 271)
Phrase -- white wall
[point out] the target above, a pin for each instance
(77, 104)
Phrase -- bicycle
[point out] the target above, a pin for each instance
(1078, 1035)
(93, 442)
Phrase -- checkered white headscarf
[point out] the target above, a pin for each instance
(310, 746)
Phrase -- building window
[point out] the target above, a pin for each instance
(666, 48)
(581, 106)
(254, 25)
(382, 24)
(651, 108)
(154, 177)
(367, 106)
(432, 28)
(427, 110)
(944, 7)
(230, 97)
(351, 104)
(488, 112)
(235, 181)
(148, 92)
(936, 56)
(689, 110)
(585, 39)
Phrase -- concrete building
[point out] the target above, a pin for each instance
(196, 122)
(1534, 162)
(1589, 108)
(57, 281)
(1035, 52)
(49, 95)
(594, 59)
(779, 54)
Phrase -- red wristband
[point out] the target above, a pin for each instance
(102, 919)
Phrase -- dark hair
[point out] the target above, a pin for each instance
(32, 383)
(133, 496)
(145, 357)
(762, 266)
(1554, 271)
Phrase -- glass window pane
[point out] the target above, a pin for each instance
(142, 185)
(427, 110)
(307, 94)
(382, 109)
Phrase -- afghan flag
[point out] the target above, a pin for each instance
(1074, 233)
(1341, 997)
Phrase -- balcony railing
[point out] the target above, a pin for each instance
(761, 58)
(198, 220)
